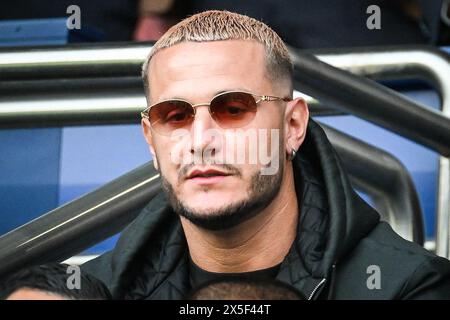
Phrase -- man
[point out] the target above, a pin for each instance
(50, 282)
(212, 80)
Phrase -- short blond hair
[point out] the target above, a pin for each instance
(215, 25)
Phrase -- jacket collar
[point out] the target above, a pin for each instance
(333, 218)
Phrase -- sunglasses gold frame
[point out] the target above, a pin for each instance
(258, 98)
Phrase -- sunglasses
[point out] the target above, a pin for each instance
(231, 109)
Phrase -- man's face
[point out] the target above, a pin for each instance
(196, 72)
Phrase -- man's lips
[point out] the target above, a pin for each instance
(206, 174)
(207, 177)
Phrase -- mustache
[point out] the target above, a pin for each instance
(229, 169)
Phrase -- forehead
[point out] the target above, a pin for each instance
(189, 69)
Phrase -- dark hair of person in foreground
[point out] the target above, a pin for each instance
(245, 289)
(50, 282)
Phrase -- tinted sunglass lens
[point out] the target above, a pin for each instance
(233, 109)
(168, 116)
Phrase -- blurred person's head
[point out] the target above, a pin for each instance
(198, 150)
(246, 289)
(50, 282)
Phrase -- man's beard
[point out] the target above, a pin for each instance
(261, 192)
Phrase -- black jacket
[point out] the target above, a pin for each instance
(340, 245)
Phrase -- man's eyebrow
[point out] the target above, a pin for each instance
(215, 94)
(233, 89)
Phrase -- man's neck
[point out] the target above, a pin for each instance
(258, 243)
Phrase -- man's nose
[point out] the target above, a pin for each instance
(203, 132)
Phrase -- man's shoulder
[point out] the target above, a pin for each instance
(384, 237)
(383, 265)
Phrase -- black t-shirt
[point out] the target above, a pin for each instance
(198, 276)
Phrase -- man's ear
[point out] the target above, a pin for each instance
(296, 121)
(149, 138)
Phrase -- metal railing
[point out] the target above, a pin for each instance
(77, 85)
(81, 223)
(413, 62)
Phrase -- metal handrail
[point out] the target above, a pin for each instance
(418, 62)
(72, 61)
(81, 223)
(373, 102)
